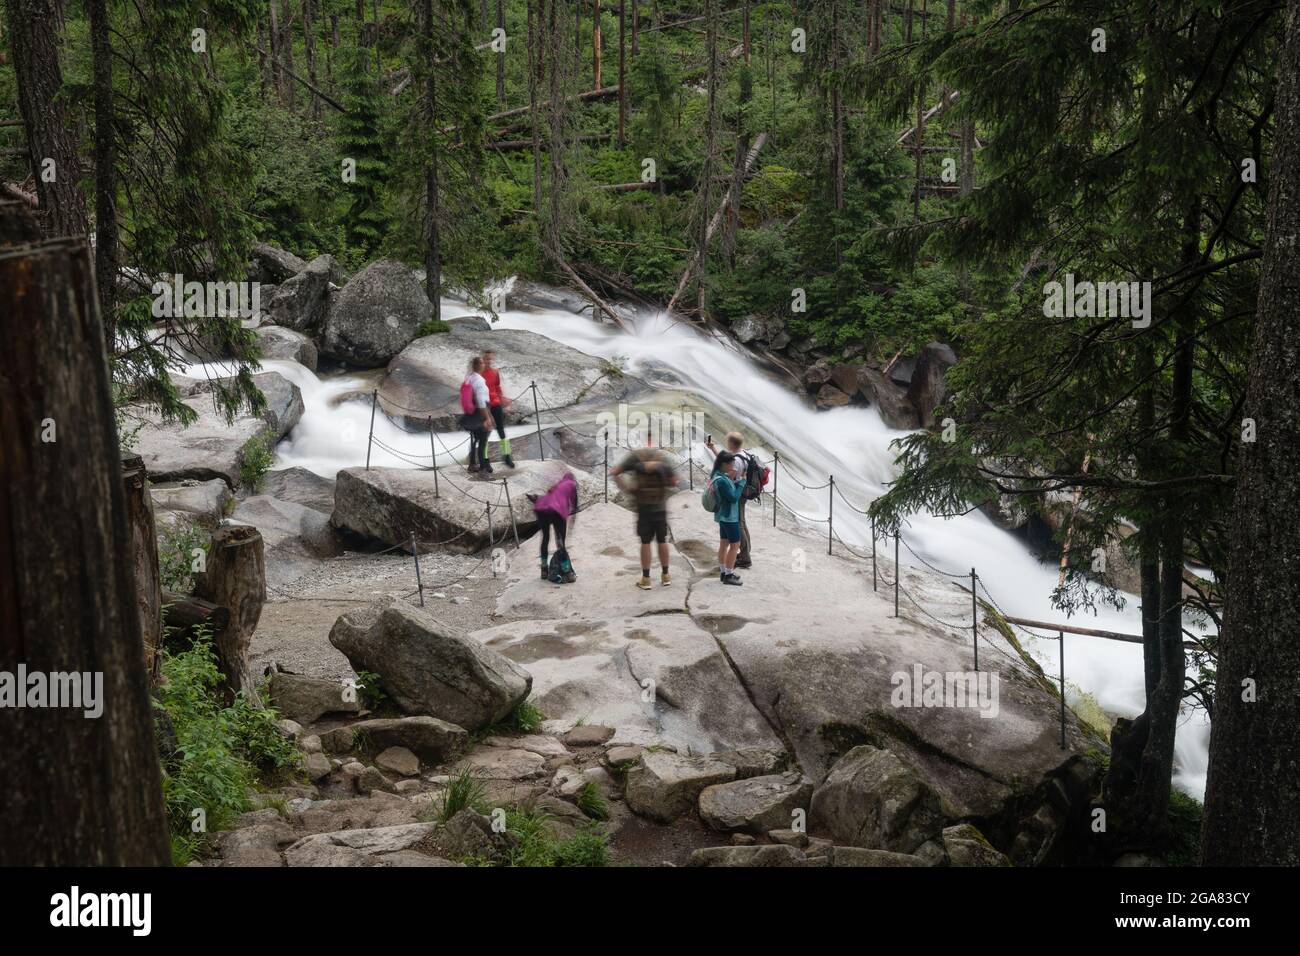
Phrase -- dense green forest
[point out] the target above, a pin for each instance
(1078, 196)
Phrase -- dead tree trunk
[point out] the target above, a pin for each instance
(595, 45)
(184, 615)
(309, 47)
(236, 578)
(51, 146)
(144, 552)
(83, 786)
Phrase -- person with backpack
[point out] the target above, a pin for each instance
(754, 474)
(477, 420)
(648, 474)
(557, 511)
(497, 404)
(724, 493)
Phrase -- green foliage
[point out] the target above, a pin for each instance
(592, 802)
(255, 460)
(219, 750)
(1185, 830)
(535, 845)
(432, 327)
(177, 543)
(361, 138)
(525, 718)
(465, 790)
(370, 686)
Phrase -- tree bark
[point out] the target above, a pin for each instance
(81, 790)
(235, 577)
(595, 45)
(144, 552)
(184, 614)
(501, 59)
(433, 231)
(106, 233)
(1252, 797)
(35, 27)
(309, 47)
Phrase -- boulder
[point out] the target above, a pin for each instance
(302, 302)
(428, 667)
(966, 846)
(755, 805)
(769, 855)
(391, 504)
(472, 323)
(858, 856)
(748, 328)
(534, 743)
(433, 740)
(203, 501)
(526, 296)
(212, 447)
(664, 786)
(376, 315)
(500, 763)
(927, 390)
(286, 526)
(872, 799)
(306, 699)
(358, 847)
(302, 487)
(828, 396)
(753, 761)
(424, 381)
(588, 735)
(278, 342)
(317, 766)
(817, 375)
(888, 398)
(272, 265)
(845, 378)
(399, 760)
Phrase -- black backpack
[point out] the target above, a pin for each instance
(755, 478)
(560, 569)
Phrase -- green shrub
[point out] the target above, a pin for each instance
(525, 718)
(591, 802)
(534, 844)
(589, 848)
(219, 749)
(1184, 818)
(432, 327)
(464, 790)
(372, 693)
(255, 460)
(176, 546)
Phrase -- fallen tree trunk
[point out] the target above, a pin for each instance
(603, 92)
(596, 301)
(528, 143)
(183, 616)
(236, 578)
(628, 187)
(930, 114)
(716, 221)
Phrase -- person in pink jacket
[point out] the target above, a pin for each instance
(556, 510)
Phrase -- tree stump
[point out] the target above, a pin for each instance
(144, 555)
(235, 577)
(81, 788)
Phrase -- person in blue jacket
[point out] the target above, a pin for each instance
(728, 487)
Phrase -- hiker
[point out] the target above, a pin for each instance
(754, 475)
(477, 420)
(497, 404)
(557, 511)
(727, 487)
(648, 473)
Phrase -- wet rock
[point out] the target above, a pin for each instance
(301, 303)
(278, 342)
(927, 389)
(888, 398)
(429, 668)
(828, 396)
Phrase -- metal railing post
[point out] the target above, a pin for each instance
(511, 505)
(776, 467)
(830, 515)
(974, 620)
(374, 400)
(1061, 636)
(541, 448)
(873, 552)
(415, 552)
(897, 576)
(606, 466)
(434, 460)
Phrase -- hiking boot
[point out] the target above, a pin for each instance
(732, 579)
(546, 573)
(744, 564)
(510, 462)
(665, 579)
(644, 583)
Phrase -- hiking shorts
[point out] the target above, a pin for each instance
(729, 531)
(652, 526)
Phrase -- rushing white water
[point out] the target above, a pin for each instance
(853, 444)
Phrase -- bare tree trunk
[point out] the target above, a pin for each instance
(1252, 797)
(286, 49)
(81, 790)
(36, 27)
(536, 12)
(636, 24)
(710, 145)
(277, 71)
(501, 58)
(595, 45)
(309, 46)
(433, 228)
(622, 73)
(235, 578)
(144, 551)
(106, 234)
